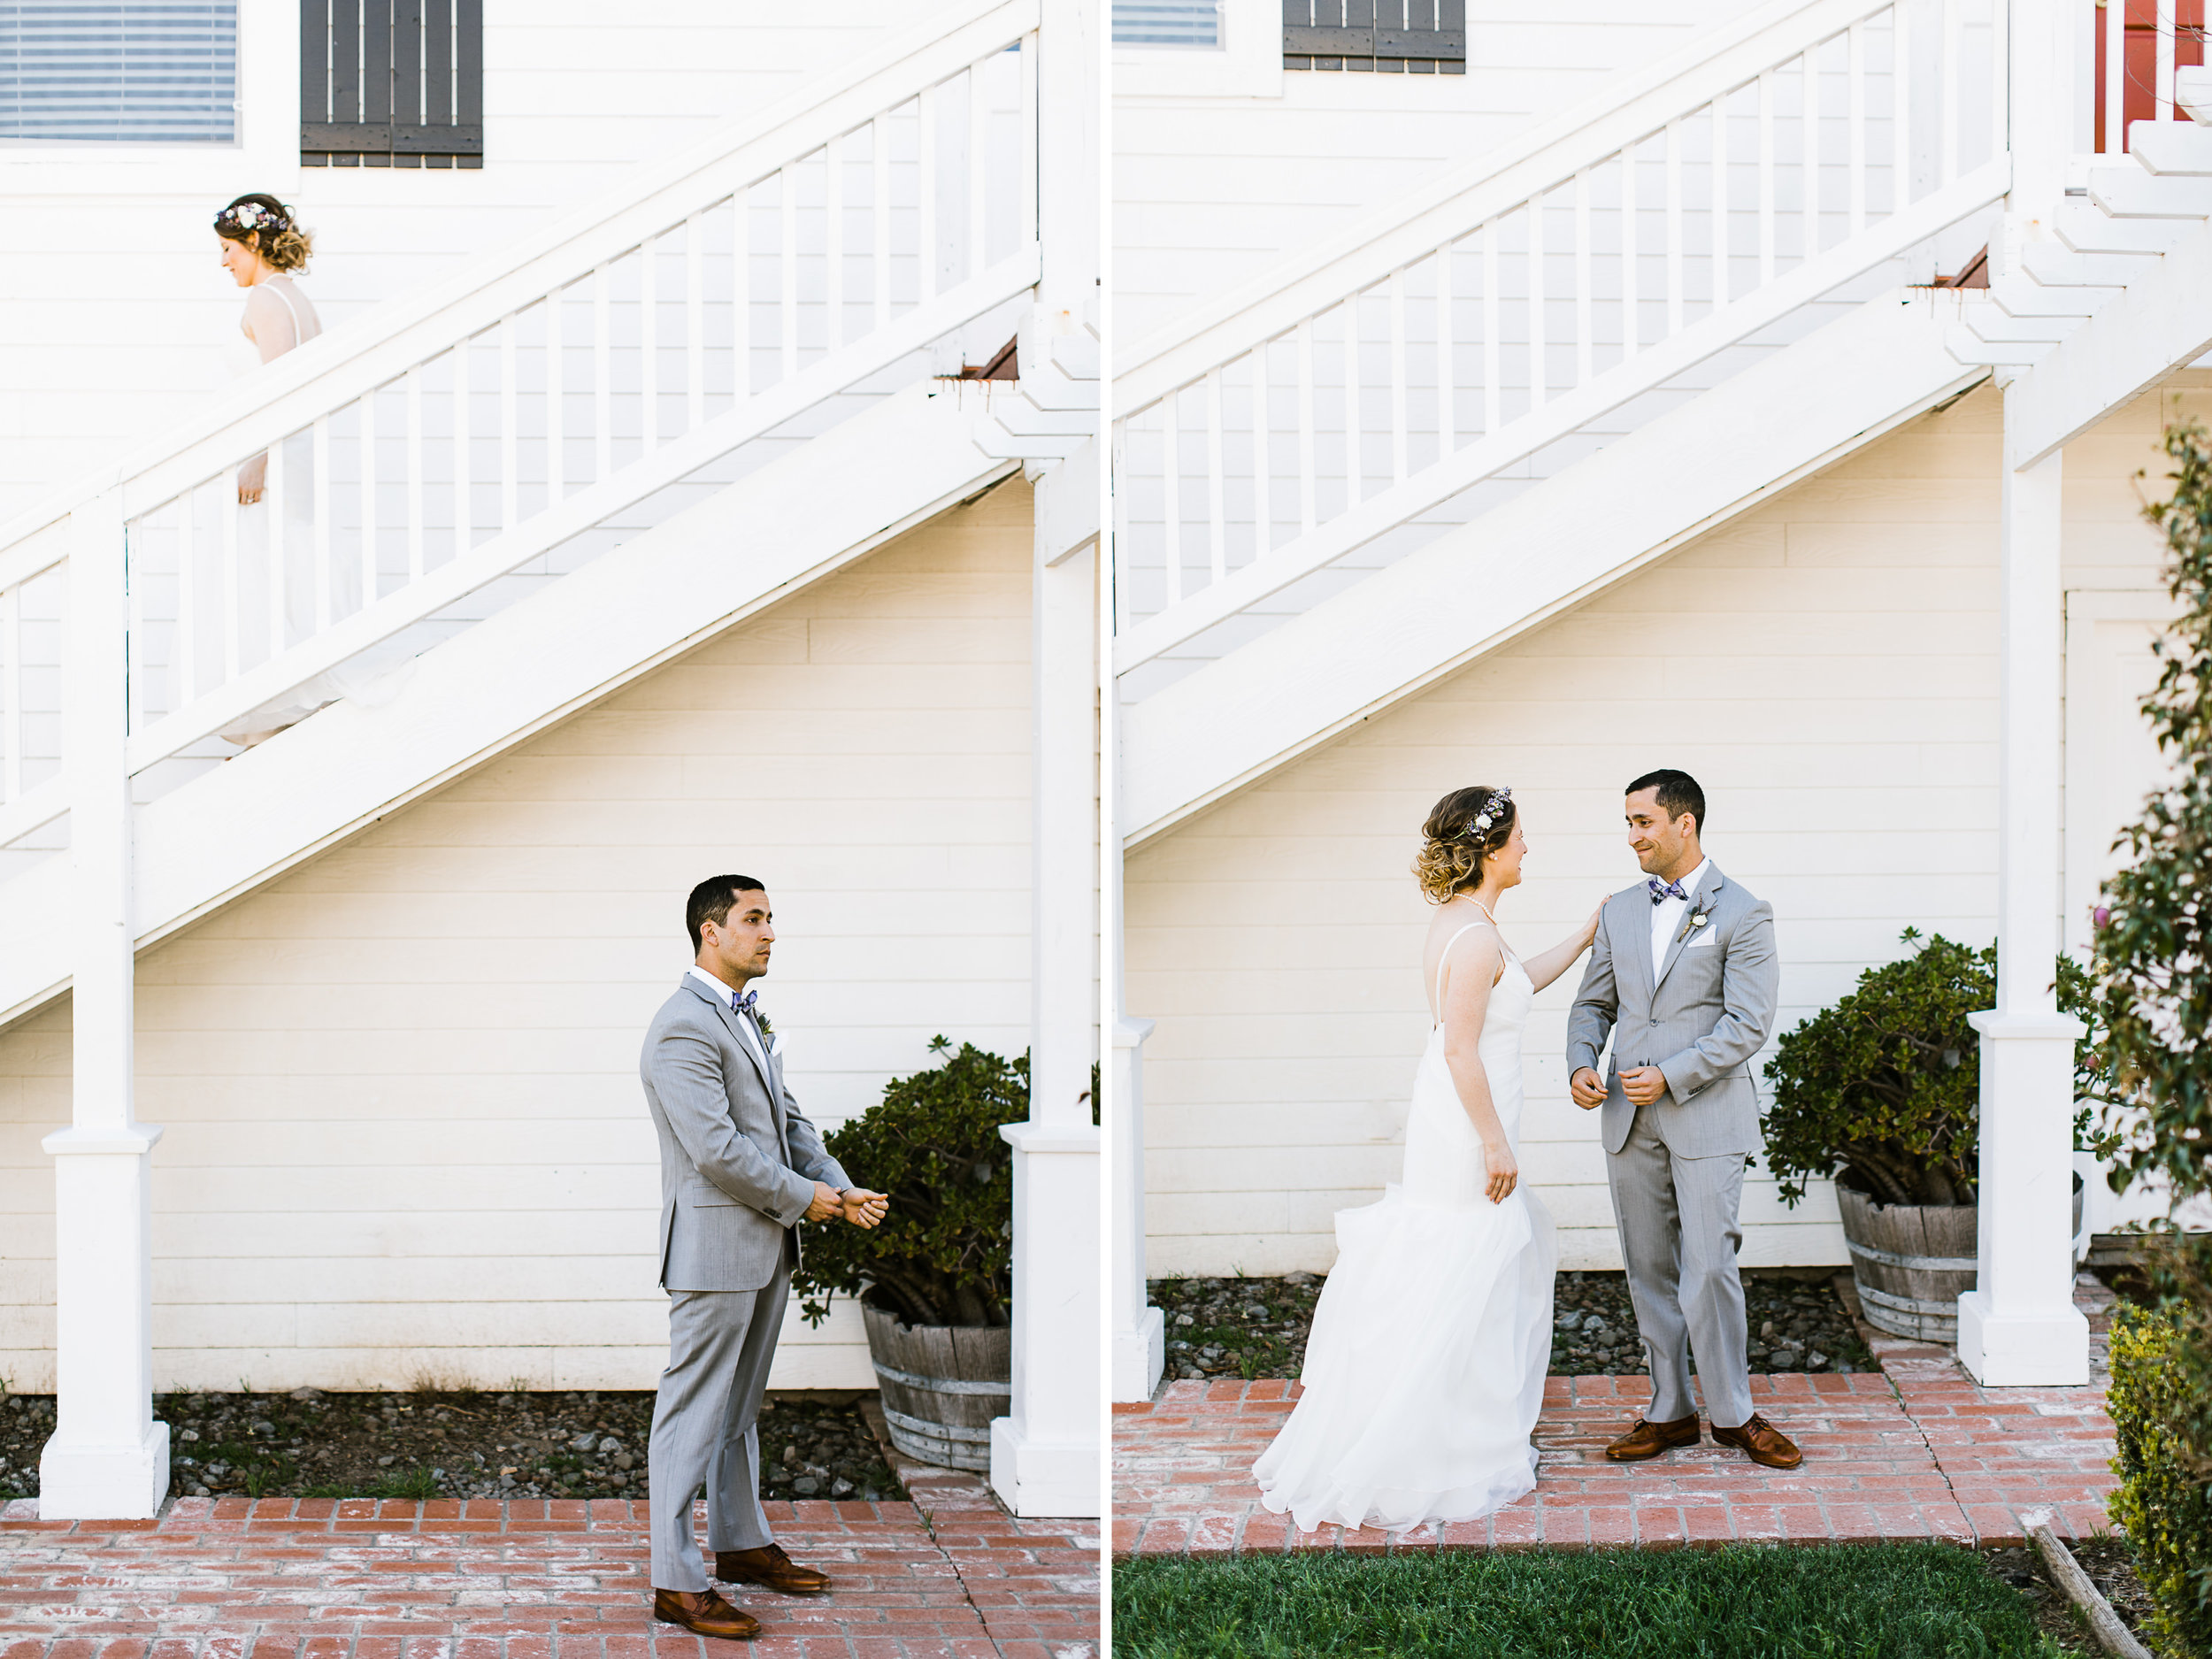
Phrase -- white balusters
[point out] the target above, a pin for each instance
(510, 473)
(322, 488)
(694, 322)
(2115, 61)
(13, 727)
(1216, 490)
(222, 594)
(788, 289)
(648, 312)
(417, 530)
(370, 478)
(880, 206)
(2162, 97)
(462, 482)
(1732, 179)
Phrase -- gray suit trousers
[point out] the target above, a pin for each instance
(721, 1345)
(1680, 1234)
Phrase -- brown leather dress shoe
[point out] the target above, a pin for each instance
(703, 1613)
(1649, 1440)
(1762, 1441)
(770, 1567)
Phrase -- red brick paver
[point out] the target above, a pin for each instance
(285, 1578)
(1917, 1450)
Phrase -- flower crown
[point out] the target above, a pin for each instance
(250, 216)
(1491, 812)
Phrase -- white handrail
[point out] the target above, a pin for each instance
(1546, 156)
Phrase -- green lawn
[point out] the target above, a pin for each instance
(1836, 1601)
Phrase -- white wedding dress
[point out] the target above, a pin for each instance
(1424, 1371)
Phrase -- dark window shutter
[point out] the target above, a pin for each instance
(1416, 37)
(392, 83)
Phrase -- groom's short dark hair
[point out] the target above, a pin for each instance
(710, 902)
(1677, 794)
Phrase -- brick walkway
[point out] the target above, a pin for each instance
(951, 1576)
(1916, 1450)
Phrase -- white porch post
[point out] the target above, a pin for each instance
(2019, 1325)
(1139, 1329)
(1045, 1454)
(108, 1460)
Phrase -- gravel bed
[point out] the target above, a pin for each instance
(1256, 1327)
(2111, 1568)
(590, 1444)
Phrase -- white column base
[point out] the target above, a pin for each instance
(1045, 1453)
(2049, 1349)
(86, 1482)
(1038, 1478)
(1141, 1357)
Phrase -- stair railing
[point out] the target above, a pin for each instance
(1505, 309)
(446, 441)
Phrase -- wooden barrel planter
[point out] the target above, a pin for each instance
(943, 1383)
(1913, 1262)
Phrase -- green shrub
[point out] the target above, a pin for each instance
(944, 1255)
(2166, 1509)
(1885, 1084)
(2153, 974)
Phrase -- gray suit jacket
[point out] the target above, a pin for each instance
(1708, 1013)
(739, 1160)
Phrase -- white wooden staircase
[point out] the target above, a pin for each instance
(1535, 377)
(525, 487)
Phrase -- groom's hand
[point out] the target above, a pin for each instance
(864, 1209)
(1644, 1085)
(1587, 1087)
(827, 1204)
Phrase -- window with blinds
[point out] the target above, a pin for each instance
(1167, 23)
(156, 73)
(392, 83)
(1408, 37)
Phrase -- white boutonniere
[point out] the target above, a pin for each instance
(1697, 920)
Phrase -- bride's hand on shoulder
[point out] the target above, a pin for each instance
(1505, 1170)
(1590, 927)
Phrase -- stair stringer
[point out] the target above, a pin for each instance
(1243, 716)
(756, 541)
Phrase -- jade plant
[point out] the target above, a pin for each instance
(944, 1254)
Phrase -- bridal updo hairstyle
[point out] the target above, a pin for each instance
(1453, 847)
(266, 226)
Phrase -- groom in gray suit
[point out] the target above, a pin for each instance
(1684, 976)
(741, 1168)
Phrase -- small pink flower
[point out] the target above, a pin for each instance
(2102, 916)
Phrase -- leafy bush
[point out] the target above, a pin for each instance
(1885, 1084)
(944, 1254)
(2153, 941)
(2153, 973)
(2165, 1506)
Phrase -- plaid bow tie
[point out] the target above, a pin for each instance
(744, 1005)
(1665, 890)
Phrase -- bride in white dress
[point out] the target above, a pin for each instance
(1424, 1371)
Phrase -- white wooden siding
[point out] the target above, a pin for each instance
(1208, 192)
(1825, 667)
(404, 1133)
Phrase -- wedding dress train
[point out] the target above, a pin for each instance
(1424, 1370)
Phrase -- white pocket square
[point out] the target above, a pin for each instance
(1699, 939)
